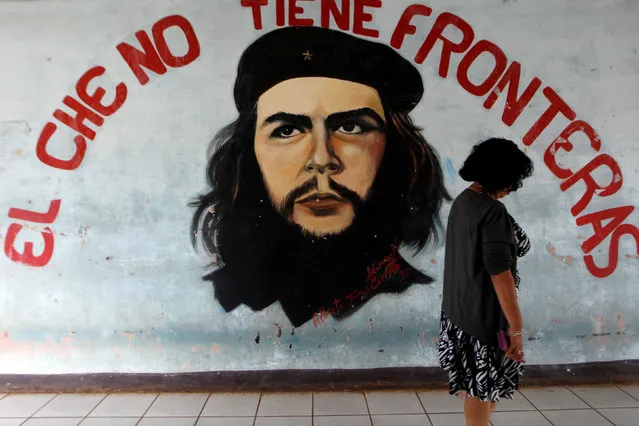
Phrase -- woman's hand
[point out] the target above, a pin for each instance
(504, 284)
(516, 349)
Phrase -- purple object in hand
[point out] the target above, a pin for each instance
(503, 340)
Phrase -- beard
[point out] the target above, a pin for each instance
(286, 207)
(265, 258)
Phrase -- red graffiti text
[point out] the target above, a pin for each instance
(85, 112)
(291, 13)
(505, 80)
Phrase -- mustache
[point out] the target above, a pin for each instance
(288, 204)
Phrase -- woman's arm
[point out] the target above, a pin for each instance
(497, 242)
(504, 285)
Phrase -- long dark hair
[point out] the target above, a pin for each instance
(409, 184)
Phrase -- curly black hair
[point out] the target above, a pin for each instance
(497, 164)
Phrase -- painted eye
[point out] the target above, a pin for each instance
(286, 132)
(350, 129)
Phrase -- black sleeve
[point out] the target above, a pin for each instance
(497, 240)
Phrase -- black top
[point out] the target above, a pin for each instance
(479, 243)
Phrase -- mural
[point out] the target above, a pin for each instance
(320, 179)
(307, 236)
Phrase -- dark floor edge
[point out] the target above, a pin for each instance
(615, 372)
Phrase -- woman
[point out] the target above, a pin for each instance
(481, 282)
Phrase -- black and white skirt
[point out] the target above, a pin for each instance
(475, 369)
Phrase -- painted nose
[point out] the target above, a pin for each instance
(323, 159)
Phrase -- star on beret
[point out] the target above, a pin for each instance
(307, 51)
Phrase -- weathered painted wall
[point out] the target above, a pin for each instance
(122, 291)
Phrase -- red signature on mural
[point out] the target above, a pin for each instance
(503, 81)
(89, 108)
(376, 275)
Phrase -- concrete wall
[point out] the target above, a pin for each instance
(122, 289)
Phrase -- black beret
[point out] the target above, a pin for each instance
(294, 52)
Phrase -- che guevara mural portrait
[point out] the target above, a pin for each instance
(320, 180)
(256, 185)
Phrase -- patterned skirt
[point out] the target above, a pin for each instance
(476, 369)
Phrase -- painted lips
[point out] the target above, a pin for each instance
(322, 204)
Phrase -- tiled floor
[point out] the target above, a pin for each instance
(580, 406)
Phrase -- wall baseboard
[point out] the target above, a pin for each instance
(615, 372)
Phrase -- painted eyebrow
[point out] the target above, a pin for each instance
(285, 117)
(306, 122)
(340, 117)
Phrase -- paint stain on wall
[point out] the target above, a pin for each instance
(82, 233)
(257, 338)
(129, 335)
(451, 173)
(599, 330)
(421, 340)
(158, 345)
(568, 260)
(632, 256)
(620, 326)
(67, 346)
(83, 230)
